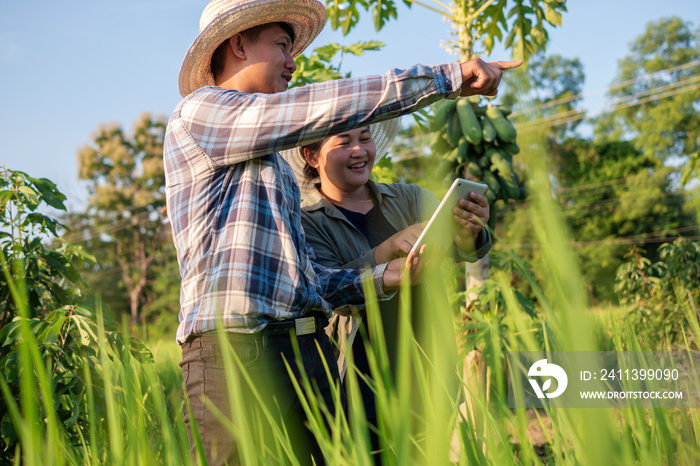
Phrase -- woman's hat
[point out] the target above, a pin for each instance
(383, 135)
(222, 19)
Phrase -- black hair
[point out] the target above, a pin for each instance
(309, 171)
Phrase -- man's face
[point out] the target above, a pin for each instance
(269, 63)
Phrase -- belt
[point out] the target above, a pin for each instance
(300, 326)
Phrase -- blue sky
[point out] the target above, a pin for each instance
(68, 66)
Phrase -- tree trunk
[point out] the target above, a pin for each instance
(473, 370)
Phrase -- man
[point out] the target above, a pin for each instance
(235, 209)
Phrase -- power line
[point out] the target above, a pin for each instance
(611, 242)
(562, 100)
(627, 98)
(654, 74)
(615, 109)
(573, 115)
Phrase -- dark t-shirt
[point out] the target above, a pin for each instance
(376, 229)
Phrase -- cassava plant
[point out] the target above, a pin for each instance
(42, 316)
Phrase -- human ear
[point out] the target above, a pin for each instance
(236, 45)
(311, 157)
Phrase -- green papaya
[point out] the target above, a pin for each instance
(484, 162)
(439, 144)
(475, 99)
(444, 168)
(490, 196)
(510, 148)
(498, 162)
(451, 155)
(462, 150)
(488, 132)
(504, 128)
(505, 110)
(474, 169)
(490, 179)
(509, 183)
(443, 110)
(454, 130)
(469, 122)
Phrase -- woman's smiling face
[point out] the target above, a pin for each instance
(345, 161)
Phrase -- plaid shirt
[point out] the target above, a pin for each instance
(234, 203)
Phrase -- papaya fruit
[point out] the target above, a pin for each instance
(474, 169)
(462, 150)
(510, 148)
(504, 128)
(439, 144)
(469, 122)
(443, 111)
(490, 179)
(484, 162)
(488, 132)
(509, 184)
(454, 130)
(505, 110)
(490, 196)
(451, 156)
(498, 162)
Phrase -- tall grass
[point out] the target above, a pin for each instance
(419, 401)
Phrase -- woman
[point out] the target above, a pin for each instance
(351, 222)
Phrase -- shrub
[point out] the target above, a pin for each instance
(659, 293)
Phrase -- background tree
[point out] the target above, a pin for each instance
(612, 196)
(546, 95)
(657, 92)
(125, 223)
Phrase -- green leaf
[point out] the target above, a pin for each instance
(552, 16)
(5, 196)
(30, 195)
(86, 333)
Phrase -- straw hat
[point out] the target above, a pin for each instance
(383, 135)
(222, 19)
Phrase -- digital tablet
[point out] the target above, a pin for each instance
(442, 228)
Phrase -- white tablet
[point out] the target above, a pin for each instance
(442, 228)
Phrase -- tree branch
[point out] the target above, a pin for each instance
(443, 13)
(481, 9)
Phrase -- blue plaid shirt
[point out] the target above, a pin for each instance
(234, 203)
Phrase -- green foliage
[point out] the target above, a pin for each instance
(657, 293)
(24, 232)
(383, 172)
(322, 64)
(514, 278)
(610, 194)
(483, 22)
(345, 15)
(66, 340)
(41, 309)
